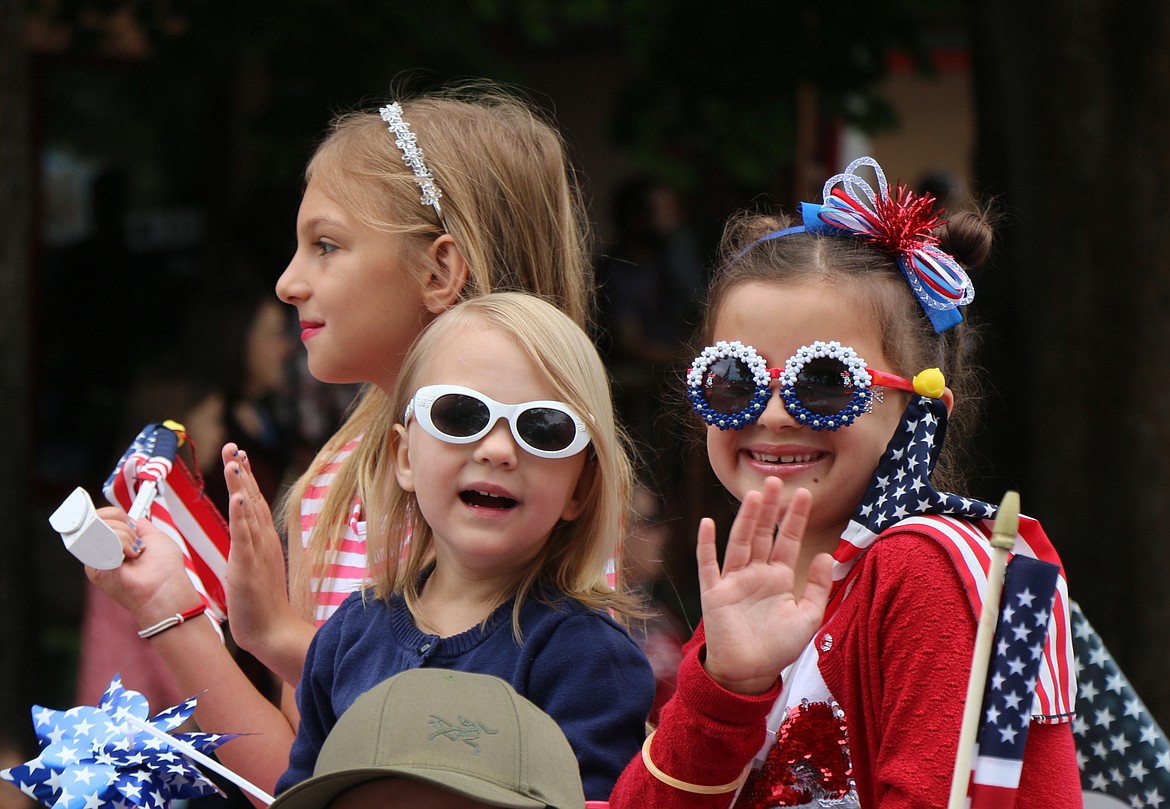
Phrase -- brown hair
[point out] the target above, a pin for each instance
(871, 278)
(510, 201)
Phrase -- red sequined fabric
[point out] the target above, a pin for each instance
(809, 764)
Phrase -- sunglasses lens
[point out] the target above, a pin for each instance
(458, 415)
(728, 386)
(824, 386)
(546, 429)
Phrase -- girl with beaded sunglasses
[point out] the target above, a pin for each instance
(832, 662)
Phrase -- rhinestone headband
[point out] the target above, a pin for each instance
(412, 156)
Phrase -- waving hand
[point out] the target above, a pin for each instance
(757, 622)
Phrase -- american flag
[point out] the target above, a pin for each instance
(180, 509)
(901, 494)
(91, 758)
(1123, 754)
(1029, 589)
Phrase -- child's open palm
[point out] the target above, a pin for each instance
(756, 623)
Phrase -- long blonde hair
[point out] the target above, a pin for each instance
(575, 556)
(511, 202)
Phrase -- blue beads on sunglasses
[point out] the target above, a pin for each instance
(824, 386)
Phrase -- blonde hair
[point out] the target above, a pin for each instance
(513, 206)
(575, 556)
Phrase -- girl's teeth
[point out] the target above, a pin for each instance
(760, 456)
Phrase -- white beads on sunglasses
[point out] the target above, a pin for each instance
(856, 384)
(759, 371)
(860, 402)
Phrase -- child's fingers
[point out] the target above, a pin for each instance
(765, 529)
(706, 555)
(240, 523)
(228, 452)
(818, 584)
(743, 529)
(786, 549)
(257, 503)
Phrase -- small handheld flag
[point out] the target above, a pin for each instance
(152, 479)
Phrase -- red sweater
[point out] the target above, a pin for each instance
(898, 666)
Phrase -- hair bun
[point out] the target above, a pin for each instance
(966, 235)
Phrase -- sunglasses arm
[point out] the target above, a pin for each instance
(930, 382)
(882, 379)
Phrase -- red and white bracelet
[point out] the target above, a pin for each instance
(172, 620)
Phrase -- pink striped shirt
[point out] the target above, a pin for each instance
(345, 570)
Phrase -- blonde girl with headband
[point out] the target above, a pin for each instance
(406, 211)
(508, 473)
(832, 662)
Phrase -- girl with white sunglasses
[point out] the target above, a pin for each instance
(499, 513)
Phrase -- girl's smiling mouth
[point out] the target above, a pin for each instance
(482, 498)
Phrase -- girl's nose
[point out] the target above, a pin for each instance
(290, 287)
(498, 447)
(775, 415)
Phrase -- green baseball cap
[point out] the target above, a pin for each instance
(469, 733)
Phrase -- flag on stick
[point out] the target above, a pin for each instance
(1029, 591)
(178, 507)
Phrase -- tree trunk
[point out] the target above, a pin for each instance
(1074, 140)
(17, 621)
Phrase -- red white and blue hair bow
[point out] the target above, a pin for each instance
(900, 224)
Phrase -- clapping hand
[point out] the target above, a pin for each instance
(757, 619)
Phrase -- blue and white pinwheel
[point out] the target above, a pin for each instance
(94, 757)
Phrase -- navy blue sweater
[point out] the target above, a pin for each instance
(578, 665)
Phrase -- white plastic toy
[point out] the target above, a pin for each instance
(84, 535)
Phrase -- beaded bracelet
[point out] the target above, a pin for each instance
(172, 620)
(698, 789)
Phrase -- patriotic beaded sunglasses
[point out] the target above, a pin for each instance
(824, 386)
(459, 415)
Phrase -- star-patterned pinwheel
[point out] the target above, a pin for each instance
(92, 758)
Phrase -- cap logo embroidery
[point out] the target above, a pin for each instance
(465, 731)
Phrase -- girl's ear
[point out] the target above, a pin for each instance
(448, 272)
(400, 450)
(576, 503)
(948, 398)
